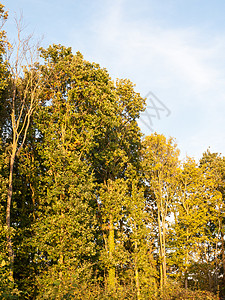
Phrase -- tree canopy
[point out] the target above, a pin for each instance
(89, 207)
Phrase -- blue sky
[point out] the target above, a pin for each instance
(172, 48)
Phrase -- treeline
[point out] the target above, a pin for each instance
(89, 208)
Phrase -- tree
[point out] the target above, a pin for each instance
(4, 45)
(65, 228)
(7, 285)
(102, 115)
(194, 208)
(24, 90)
(140, 223)
(113, 203)
(76, 127)
(160, 166)
(213, 165)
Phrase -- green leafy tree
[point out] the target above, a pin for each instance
(7, 285)
(113, 203)
(103, 115)
(193, 211)
(8, 289)
(140, 238)
(214, 165)
(160, 166)
(22, 98)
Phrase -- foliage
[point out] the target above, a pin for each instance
(8, 289)
(89, 210)
(160, 166)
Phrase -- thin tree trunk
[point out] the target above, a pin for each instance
(223, 257)
(186, 281)
(8, 214)
(186, 262)
(111, 242)
(137, 284)
(33, 200)
(164, 251)
(136, 266)
(160, 252)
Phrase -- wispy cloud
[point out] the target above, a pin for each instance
(185, 64)
(174, 51)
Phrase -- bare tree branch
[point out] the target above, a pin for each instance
(25, 83)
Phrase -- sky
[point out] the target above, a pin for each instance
(173, 50)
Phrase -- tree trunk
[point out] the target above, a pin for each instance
(8, 213)
(186, 280)
(164, 250)
(137, 284)
(186, 261)
(136, 266)
(223, 257)
(111, 274)
(160, 252)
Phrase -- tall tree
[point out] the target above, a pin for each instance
(194, 208)
(4, 45)
(213, 165)
(24, 90)
(140, 237)
(103, 116)
(7, 286)
(160, 165)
